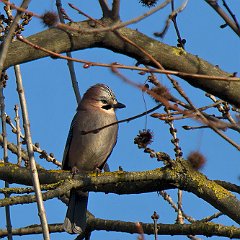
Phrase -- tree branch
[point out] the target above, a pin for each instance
(14, 149)
(164, 229)
(178, 175)
(105, 9)
(224, 16)
(11, 32)
(171, 58)
(32, 163)
(70, 64)
(115, 10)
(207, 229)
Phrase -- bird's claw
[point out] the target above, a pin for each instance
(74, 171)
(98, 171)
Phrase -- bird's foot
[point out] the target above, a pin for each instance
(74, 171)
(98, 171)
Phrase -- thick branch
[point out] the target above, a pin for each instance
(171, 58)
(179, 175)
(207, 229)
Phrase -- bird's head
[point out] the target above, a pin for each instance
(101, 96)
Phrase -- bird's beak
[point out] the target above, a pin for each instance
(119, 105)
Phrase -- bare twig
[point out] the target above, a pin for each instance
(231, 13)
(168, 198)
(155, 218)
(34, 171)
(5, 156)
(210, 218)
(69, 55)
(118, 25)
(180, 219)
(223, 109)
(143, 88)
(224, 16)
(201, 116)
(36, 147)
(18, 132)
(171, 18)
(175, 140)
(13, 148)
(10, 35)
(181, 41)
(123, 120)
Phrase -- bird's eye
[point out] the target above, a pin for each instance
(104, 101)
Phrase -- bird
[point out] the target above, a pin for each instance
(85, 153)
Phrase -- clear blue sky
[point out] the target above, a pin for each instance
(52, 104)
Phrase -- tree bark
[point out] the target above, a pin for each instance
(171, 58)
(178, 175)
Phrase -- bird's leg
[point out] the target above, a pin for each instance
(74, 171)
(98, 171)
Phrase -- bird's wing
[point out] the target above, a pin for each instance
(68, 142)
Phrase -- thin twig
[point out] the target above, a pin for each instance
(26, 125)
(36, 147)
(155, 218)
(223, 110)
(143, 88)
(180, 219)
(171, 18)
(10, 35)
(231, 13)
(5, 156)
(210, 218)
(123, 120)
(69, 55)
(181, 41)
(18, 132)
(168, 198)
(201, 115)
(174, 140)
(224, 16)
(119, 25)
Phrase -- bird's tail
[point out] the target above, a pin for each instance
(75, 220)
